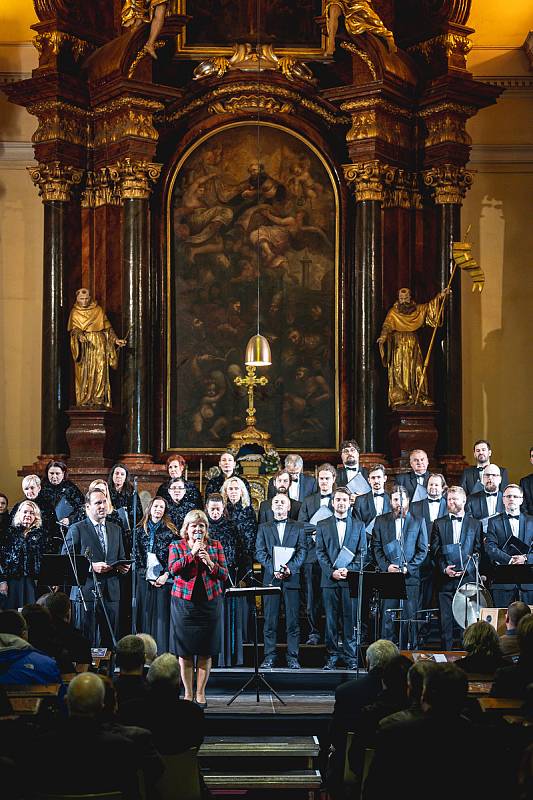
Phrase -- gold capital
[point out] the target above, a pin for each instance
(368, 179)
(134, 178)
(448, 182)
(55, 180)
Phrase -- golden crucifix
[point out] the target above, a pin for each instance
(250, 433)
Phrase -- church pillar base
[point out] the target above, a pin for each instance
(92, 437)
(411, 427)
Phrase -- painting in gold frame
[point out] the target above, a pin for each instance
(230, 216)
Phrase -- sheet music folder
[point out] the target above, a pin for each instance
(512, 573)
(251, 591)
(390, 585)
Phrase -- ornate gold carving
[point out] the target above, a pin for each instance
(446, 122)
(378, 119)
(56, 41)
(448, 182)
(140, 55)
(58, 120)
(363, 56)
(126, 116)
(250, 102)
(55, 180)
(402, 191)
(450, 44)
(368, 179)
(100, 190)
(134, 178)
(253, 58)
(47, 9)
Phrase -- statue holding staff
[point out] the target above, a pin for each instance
(137, 12)
(94, 346)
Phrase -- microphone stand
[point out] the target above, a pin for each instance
(97, 592)
(359, 616)
(403, 565)
(134, 563)
(72, 561)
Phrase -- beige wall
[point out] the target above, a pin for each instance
(496, 326)
(497, 340)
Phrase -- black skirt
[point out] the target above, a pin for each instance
(195, 627)
(20, 592)
(154, 613)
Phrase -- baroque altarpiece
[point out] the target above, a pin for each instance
(262, 157)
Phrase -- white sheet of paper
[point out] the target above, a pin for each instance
(420, 493)
(358, 485)
(153, 567)
(281, 556)
(440, 658)
(323, 513)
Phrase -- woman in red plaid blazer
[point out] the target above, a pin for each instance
(198, 566)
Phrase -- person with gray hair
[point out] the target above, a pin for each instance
(165, 669)
(150, 648)
(130, 660)
(31, 486)
(85, 695)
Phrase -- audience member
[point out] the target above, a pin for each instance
(69, 637)
(509, 640)
(484, 655)
(131, 682)
(42, 635)
(416, 678)
(176, 724)
(512, 681)
(150, 648)
(20, 663)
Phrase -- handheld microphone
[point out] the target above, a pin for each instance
(198, 537)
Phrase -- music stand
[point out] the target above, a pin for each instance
(384, 585)
(57, 570)
(257, 679)
(512, 573)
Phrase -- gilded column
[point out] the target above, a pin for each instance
(449, 184)
(55, 182)
(134, 180)
(367, 181)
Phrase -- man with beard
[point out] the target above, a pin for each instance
(403, 357)
(472, 477)
(350, 465)
(281, 482)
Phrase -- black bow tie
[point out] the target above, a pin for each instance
(322, 496)
(379, 494)
(491, 494)
(432, 500)
(457, 519)
(513, 516)
(281, 521)
(341, 519)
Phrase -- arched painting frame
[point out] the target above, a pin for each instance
(228, 218)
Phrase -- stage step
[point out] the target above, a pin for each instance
(222, 680)
(261, 763)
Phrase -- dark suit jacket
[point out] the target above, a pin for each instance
(498, 532)
(308, 508)
(410, 481)
(364, 507)
(385, 547)
(82, 538)
(512, 681)
(350, 699)
(470, 477)
(176, 725)
(307, 485)
(421, 509)
(267, 515)
(328, 548)
(267, 539)
(442, 541)
(477, 505)
(342, 478)
(526, 484)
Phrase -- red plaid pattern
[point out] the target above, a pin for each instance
(185, 568)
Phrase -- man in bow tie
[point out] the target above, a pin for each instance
(433, 507)
(455, 538)
(281, 532)
(301, 485)
(419, 474)
(472, 477)
(376, 502)
(350, 465)
(489, 501)
(502, 548)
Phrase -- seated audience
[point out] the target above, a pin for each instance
(131, 682)
(92, 759)
(20, 663)
(150, 649)
(42, 636)
(484, 655)
(176, 724)
(69, 637)
(509, 640)
(513, 680)
(416, 678)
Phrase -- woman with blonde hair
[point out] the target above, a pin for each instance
(31, 486)
(240, 511)
(198, 566)
(21, 560)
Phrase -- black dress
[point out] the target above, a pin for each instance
(153, 604)
(22, 564)
(49, 521)
(67, 490)
(192, 494)
(127, 500)
(214, 485)
(178, 511)
(245, 521)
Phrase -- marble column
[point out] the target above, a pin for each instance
(55, 182)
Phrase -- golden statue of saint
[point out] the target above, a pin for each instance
(93, 344)
(403, 357)
(137, 12)
(359, 17)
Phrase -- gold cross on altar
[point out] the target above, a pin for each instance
(251, 381)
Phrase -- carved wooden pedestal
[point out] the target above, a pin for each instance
(92, 437)
(411, 427)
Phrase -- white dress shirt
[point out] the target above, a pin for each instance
(378, 504)
(433, 510)
(294, 489)
(281, 530)
(341, 530)
(457, 525)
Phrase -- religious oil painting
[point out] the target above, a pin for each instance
(252, 212)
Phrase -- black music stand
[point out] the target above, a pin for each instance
(257, 679)
(384, 586)
(57, 570)
(512, 573)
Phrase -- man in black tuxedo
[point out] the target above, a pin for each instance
(101, 542)
(282, 481)
(500, 550)
(526, 484)
(471, 479)
(419, 474)
(334, 533)
(350, 464)
(281, 532)
(301, 485)
(376, 502)
(433, 507)
(489, 501)
(311, 574)
(400, 544)
(455, 537)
